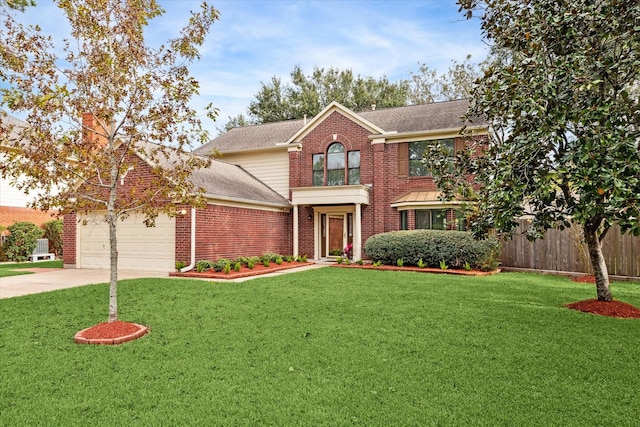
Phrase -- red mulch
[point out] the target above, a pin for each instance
(612, 309)
(584, 279)
(108, 330)
(245, 271)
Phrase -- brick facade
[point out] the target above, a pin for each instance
(11, 214)
(230, 232)
(69, 231)
(378, 168)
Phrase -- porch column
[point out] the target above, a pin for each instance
(357, 233)
(295, 230)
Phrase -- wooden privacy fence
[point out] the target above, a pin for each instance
(560, 251)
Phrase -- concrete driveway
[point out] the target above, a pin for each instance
(60, 278)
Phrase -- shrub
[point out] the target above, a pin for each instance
(251, 264)
(220, 264)
(22, 240)
(443, 265)
(455, 248)
(242, 260)
(203, 265)
(53, 230)
(180, 265)
(266, 263)
(279, 261)
(360, 262)
(421, 263)
(237, 266)
(339, 260)
(400, 262)
(227, 268)
(271, 257)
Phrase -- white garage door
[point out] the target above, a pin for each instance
(139, 247)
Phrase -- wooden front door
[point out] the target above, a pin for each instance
(336, 235)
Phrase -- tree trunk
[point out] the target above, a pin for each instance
(113, 280)
(597, 262)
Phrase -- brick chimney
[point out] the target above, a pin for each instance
(92, 130)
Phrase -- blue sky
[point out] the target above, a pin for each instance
(256, 39)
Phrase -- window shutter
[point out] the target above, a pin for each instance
(403, 160)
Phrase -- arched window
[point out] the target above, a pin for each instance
(342, 167)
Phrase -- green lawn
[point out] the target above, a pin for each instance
(16, 269)
(331, 347)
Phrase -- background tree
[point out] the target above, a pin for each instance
(309, 94)
(428, 86)
(138, 96)
(20, 5)
(566, 122)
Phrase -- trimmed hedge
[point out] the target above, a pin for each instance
(455, 248)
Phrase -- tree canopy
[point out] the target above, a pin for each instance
(134, 100)
(308, 94)
(565, 120)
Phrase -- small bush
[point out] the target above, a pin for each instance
(53, 230)
(266, 263)
(279, 261)
(203, 265)
(220, 264)
(289, 258)
(339, 260)
(180, 265)
(22, 240)
(227, 268)
(400, 262)
(443, 265)
(360, 262)
(455, 248)
(302, 258)
(251, 264)
(242, 260)
(421, 263)
(271, 257)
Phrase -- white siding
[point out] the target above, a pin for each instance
(271, 167)
(11, 196)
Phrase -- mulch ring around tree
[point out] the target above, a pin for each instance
(111, 333)
(614, 308)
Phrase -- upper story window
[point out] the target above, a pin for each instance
(410, 156)
(341, 166)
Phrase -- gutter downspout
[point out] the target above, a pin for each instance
(193, 243)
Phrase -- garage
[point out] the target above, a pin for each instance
(139, 247)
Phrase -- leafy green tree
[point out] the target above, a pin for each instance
(309, 94)
(137, 98)
(428, 86)
(566, 122)
(53, 231)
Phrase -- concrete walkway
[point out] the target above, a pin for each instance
(47, 280)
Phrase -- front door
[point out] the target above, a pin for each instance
(336, 235)
(336, 231)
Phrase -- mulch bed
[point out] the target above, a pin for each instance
(111, 333)
(611, 309)
(257, 270)
(614, 308)
(419, 270)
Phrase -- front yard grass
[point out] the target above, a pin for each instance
(327, 347)
(17, 268)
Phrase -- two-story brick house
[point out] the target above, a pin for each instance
(308, 186)
(351, 175)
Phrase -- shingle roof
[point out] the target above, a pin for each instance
(252, 137)
(414, 118)
(228, 181)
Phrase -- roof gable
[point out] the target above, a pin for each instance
(326, 112)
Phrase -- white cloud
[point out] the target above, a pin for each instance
(255, 40)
